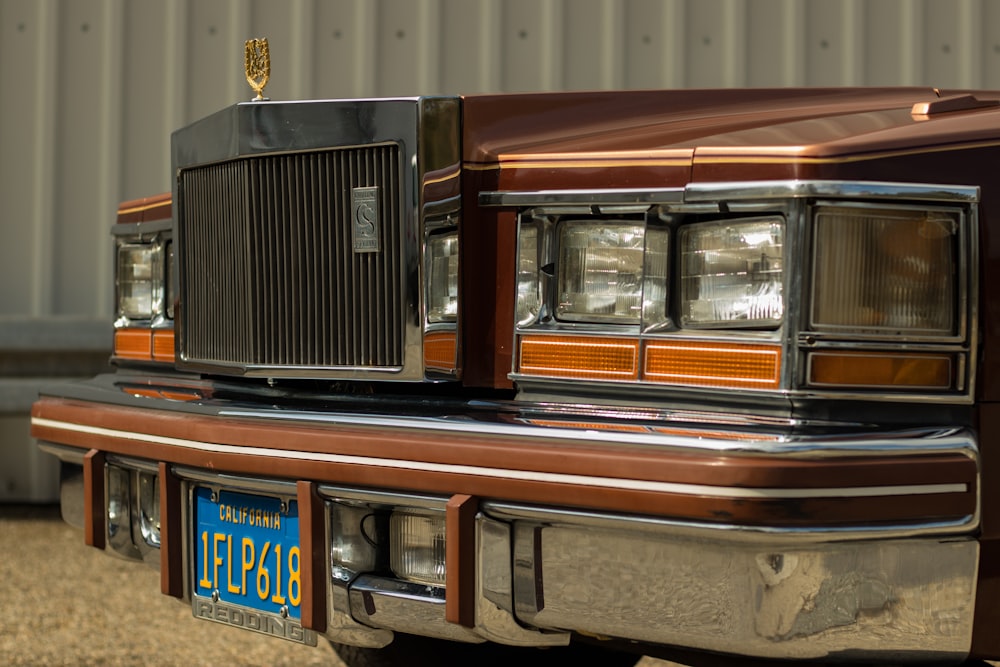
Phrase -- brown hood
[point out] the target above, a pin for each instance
(661, 138)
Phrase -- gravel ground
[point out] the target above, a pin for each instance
(68, 604)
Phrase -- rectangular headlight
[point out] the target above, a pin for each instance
(134, 280)
(731, 273)
(600, 271)
(442, 282)
(884, 270)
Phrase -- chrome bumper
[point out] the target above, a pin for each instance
(899, 599)
(541, 575)
(771, 596)
(789, 547)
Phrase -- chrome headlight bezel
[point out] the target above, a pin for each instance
(925, 363)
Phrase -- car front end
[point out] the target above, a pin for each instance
(547, 369)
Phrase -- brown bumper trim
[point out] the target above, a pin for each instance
(868, 488)
(94, 528)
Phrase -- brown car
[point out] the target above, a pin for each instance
(698, 374)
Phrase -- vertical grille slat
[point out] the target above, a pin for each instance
(272, 279)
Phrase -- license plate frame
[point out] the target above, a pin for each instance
(246, 563)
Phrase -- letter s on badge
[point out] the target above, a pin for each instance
(365, 219)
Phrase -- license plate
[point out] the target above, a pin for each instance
(247, 563)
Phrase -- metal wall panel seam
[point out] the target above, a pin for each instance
(853, 54)
(303, 20)
(490, 45)
(239, 18)
(45, 158)
(674, 21)
(429, 47)
(794, 27)
(911, 69)
(364, 83)
(550, 16)
(970, 37)
(734, 61)
(109, 160)
(612, 74)
(174, 85)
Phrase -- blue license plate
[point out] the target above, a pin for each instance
(247, 562)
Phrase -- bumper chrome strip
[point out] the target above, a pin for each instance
(579, 480)
(405, 607)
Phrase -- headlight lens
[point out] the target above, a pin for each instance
(528, 288)
(885, 270)
(442, 303)
(136, 286)
(600, 274)
(731, 273)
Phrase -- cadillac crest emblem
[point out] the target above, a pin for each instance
(365, 219)
(258, 66)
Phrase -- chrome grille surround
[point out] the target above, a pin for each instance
(273, 279)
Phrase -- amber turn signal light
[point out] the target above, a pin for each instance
(133, 344)
(140, 344)
(439, 350)
(708, 364)
(892, 370)
(589, 357)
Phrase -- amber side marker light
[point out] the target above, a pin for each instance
(707, 364)
(587, 357)
(439, 350)
(882, 370)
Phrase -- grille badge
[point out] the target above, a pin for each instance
(365, 219)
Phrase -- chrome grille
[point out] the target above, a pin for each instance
(270, 278)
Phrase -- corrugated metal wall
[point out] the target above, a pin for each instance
(91, 89)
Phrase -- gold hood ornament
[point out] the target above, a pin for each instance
(258, 66)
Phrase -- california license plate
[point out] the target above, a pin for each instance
(247, 563)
